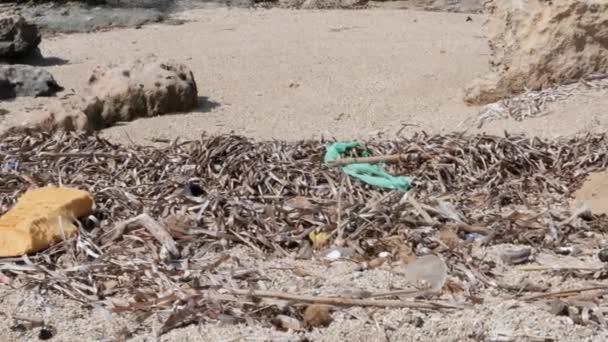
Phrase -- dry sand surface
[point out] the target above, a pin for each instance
(297, 74)
(283, 74)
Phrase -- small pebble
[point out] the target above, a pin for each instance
(571, 250)
(333, 255)
(317, 315)
(603, 255)
(287, 323)
(46, 333)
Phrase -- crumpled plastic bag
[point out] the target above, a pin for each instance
(367, 173)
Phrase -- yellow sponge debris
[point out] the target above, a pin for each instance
(41, 218)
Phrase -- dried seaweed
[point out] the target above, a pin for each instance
(270, 196)
(533, 103)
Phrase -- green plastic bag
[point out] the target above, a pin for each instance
(368, 173)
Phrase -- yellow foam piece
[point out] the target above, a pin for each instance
(41, 218)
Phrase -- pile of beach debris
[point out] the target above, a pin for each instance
(160, 212)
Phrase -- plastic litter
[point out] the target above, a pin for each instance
(367, 173)
(428, 272)
(10, 166)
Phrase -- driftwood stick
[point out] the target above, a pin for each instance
(342, 301)
(391, 158)
(559, 268)
(566, 293)
(467, 228)
(144, 220)
(425, 215)
(339, 228)
(404, 292)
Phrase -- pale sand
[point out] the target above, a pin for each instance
(498, 318)
(288, 74)
(284, 74)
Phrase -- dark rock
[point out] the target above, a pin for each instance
(80, 17)
(603, 255)
(18, 38)
(24, 80)
(7, 90)
(46, 333)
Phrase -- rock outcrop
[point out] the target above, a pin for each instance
(67, 114)
(326, 4)
(463, 6)
(18, 38)
(142, 88)
(124, 92)
(25, 80)
(537, 44)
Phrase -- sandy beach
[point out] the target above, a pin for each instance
(366, 74)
